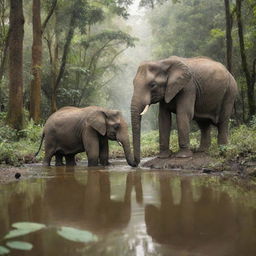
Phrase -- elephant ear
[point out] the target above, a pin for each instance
(97, 120)
(179, 76)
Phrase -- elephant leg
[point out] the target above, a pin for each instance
(58, 159)
(205, 142)
(70, 159)
(223, 133)
(184, 115)
(165, 122)
(49, 152)
(91, 145)
(104, 151)
(47, 160)
(224, 120)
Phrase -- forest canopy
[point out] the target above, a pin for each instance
(74, 52)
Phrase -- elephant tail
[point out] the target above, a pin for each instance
(42, 138)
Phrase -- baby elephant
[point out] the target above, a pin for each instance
(72, 130)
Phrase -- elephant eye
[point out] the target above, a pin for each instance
(153, 85)
(116, 126)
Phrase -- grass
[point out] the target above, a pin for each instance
(18, 147)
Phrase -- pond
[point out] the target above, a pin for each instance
(123, 211)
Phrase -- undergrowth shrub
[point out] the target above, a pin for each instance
(17, 147)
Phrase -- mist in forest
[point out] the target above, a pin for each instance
(121, 88)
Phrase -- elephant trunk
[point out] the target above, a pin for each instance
(136, 129)
(123, 138)
(128, 153)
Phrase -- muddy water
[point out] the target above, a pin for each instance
(131, 213)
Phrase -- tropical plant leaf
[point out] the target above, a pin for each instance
(17, 232)
(23, 228)
(77, 235)
(4, 250)
(19, 245)
(28, 225)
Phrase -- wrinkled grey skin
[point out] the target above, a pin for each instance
(192, 88)
(72, 130)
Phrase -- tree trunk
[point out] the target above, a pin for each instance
(67, 44)
(15, 107)
(229, 42)
(3, 63)
(35, 89)
(5, 51)
(54, 71)
(249, 80)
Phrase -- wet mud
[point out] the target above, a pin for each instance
(197, 162)
(203, 163)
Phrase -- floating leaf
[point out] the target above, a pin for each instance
(19, 245)
(28, 225)
(4, 250)
(77, 235)
(23, 228)
(17, 232)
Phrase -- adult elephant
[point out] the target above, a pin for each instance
(192, 88)
(72, 130)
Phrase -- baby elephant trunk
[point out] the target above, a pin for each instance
(123, 138)
(127, 152)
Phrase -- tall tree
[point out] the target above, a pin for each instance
(70, 34)
(229, 41)
(15, 107)
(35, 89)
(250, 77)
(38, 29)
(4, 41)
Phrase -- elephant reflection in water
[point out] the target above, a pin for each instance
(90, 206)
(210, 225)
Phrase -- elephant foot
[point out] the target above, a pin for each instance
(132, 164)
(165, 154)
(105, 163)
(184, 153)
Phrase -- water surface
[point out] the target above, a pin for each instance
(131, 212)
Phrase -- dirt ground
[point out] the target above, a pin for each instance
(202, 162)
(10, 174)
(198, 161)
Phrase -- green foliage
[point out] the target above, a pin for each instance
(189, 28)
(20, 245)
(24, 228)
(77, 235)
(32, 132)
(28, 226)
(242, 143)
(18, 147)
(4, 250)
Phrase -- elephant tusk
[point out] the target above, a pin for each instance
(145, 110)
(119, 143)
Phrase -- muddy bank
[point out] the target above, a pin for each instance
(10, 174)
(201, 162)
